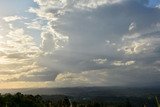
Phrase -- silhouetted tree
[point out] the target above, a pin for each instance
(128, 103)
(66, 102)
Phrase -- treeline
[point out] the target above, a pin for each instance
(20, 100)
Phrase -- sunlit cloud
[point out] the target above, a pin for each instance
(18, 55)
(139, 45)
(12, 18)
(83, 78)
(83, 4)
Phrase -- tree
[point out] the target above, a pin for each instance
(66, 102)
(128, 104)
(157, 102)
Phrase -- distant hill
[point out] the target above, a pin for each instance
(89, 91)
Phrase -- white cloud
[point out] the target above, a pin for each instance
(10, 26)
(109, 43)
(158, 6)
(12, 18)
(83, 4)
(52, 41)
(139, 45)
(51, 10)
(83, 78)
(131, 36)
(71, 77)
(19, 55)
(77, 3)
(100, 61)
(129, 62)
(123, 63)
(41, 12)
(136, 46)
(34, 25)
(132, 26)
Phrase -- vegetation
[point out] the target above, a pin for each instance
(20, 100)
(157, 102)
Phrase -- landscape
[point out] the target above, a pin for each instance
(79, 53)
(82, 97)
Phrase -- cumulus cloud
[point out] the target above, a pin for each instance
(52, 41)
(79, 36)
(18, 55)
(136, 47)
(99, 43)
(128, 76)
(84, 78)
(139, 45)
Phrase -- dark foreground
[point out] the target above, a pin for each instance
(83, 97)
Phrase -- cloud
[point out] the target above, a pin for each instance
(98, 43)
(104, 77)
(52, 41)
(128, 76)
(139, 45)
(132, 26)
(12, 18)
(82, 36)
(48, 44)
(83, 4)
(19, 55)
(136, 47)
(100, 61)
(121, 63)
(158, 6)
(34, 25)
(84, 78)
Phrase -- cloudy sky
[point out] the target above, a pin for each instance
(68, 43)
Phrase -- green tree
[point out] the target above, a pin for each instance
(157, 102)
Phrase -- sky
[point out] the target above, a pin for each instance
(70, 43)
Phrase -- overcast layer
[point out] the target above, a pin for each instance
(67, 43)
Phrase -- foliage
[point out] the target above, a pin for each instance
(21, 100)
